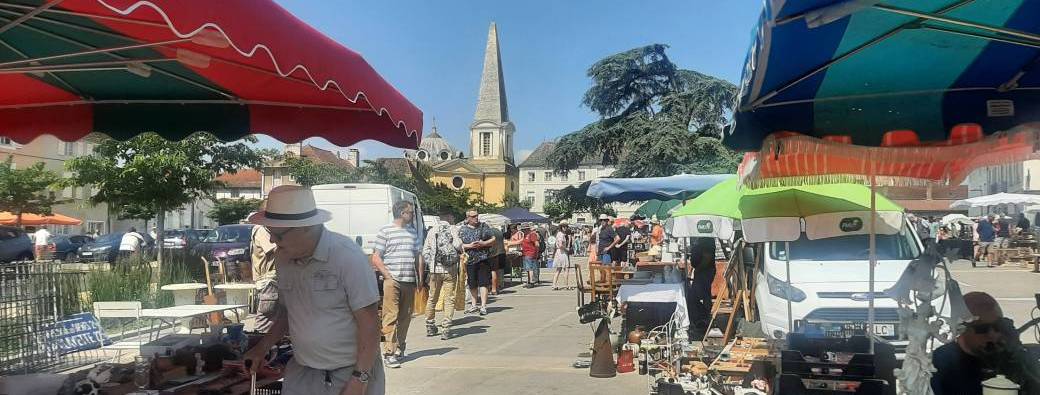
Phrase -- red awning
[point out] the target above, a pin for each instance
(229, 67)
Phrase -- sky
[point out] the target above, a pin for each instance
(432, 52)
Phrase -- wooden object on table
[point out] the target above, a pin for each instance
(730, 300)
(210, 298)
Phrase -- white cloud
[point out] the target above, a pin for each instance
(523, 154)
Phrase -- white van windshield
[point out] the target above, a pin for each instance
(901, 246)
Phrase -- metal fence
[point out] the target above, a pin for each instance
(33, 297)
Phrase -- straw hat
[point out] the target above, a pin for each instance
(564, 223)
(290, 206)
(604, 217)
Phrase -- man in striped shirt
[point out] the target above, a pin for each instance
(396, 258)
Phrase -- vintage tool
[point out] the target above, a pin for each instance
(602, 353)
(252, 377)
(210, 298)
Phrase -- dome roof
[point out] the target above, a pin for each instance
(434, 148)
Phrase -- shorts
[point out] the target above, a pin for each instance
(478, 275)
(530, 264)
(605, 258)
(498, 262)
(984, 246)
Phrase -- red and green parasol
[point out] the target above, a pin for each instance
(175, 67)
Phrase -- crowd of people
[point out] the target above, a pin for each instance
(971, 238)
(307, 274)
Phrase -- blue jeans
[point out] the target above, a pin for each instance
(605, 258)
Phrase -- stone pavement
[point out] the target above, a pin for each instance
(1013, 287)
(525, 345)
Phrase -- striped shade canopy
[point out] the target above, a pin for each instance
(176, 67)
(864, 68)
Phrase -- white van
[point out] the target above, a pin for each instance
(359, 210)
(829, 287)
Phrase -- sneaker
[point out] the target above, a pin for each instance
(446, 334)
(391, 361)
(483, 311)
(471, 309)
(431, 330)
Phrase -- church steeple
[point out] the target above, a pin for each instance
(491, 133)
(491, 104)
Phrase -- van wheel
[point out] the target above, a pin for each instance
(26, 256)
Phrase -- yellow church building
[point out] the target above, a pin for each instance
(490, 169)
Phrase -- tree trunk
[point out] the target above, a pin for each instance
(18, 219)
(160, 223)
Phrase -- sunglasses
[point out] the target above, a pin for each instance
(279, 235)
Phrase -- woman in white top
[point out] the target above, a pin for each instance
(562, 259)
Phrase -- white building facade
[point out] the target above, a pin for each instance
(1018, 177)
(538, 182)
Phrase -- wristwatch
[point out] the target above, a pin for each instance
(362, 375)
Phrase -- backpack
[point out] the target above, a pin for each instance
(446, 252)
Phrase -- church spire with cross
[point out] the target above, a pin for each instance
(491, 133)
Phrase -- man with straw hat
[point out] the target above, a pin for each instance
(329, 301)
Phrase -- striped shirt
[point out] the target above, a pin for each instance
(398, 247)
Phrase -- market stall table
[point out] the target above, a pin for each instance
(236, 293)
(184, 294)
(184, 313)
(657, 293)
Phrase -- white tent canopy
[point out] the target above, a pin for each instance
(996, 200)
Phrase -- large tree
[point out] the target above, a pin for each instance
(149, 174)
(656, 119)
(230, 211)
(27, 190)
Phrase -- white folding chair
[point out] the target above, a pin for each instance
(120, 311)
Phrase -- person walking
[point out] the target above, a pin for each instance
(477, 241)
(396, 256)
(529, 249)
(440, 256)
(41, 242)
(624, 236)
(605, 240)
(330, 301)
(562, 258)
(986, 237)
(131, 243)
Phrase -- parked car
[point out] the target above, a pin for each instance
(106, 248)
(14, 245)
(183, 239)
(228, 243)
(66, 248)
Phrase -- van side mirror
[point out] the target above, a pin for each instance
(748, 255)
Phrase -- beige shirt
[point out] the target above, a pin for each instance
(262, 257)
(320, 295)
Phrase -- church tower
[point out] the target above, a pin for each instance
(491, 133)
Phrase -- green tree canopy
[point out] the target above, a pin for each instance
(151, 175)
(231, 211)
(656, 119)
(26, 190)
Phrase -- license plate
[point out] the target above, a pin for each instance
(885, 330)
(846, 330)
(86, 253)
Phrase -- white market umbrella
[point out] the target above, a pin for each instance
(997, 199)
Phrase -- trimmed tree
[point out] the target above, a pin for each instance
(231, 211)
(26, 190)
(149, 173)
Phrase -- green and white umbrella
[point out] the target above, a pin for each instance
(715, 213)
(777, 214)
(829, 210)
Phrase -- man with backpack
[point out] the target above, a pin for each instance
(441, 253)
